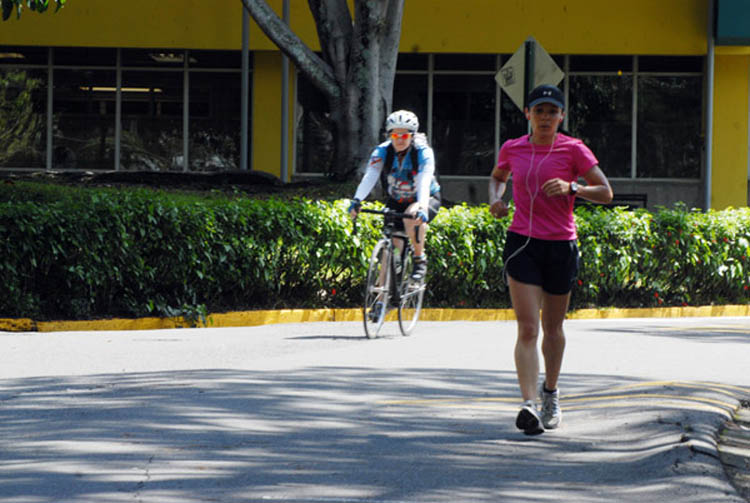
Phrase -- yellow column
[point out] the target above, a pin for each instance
(266, 113)
(266, 123)
(730, 130)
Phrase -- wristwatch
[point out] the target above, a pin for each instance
(573, 189)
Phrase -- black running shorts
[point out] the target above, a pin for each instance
(553, 265)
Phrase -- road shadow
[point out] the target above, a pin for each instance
(350, 434)
(702, 331)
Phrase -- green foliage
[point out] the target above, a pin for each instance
(76, 253)
(35, 5)
(465, 248)
(82, 253)
(670, 257)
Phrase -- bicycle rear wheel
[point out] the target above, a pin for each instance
(412, 295)
(377, 295)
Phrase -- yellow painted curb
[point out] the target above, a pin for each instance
(17, 325)
(267, 317)
(661, 312)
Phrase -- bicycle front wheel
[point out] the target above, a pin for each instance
(377, 290)
(412, 295)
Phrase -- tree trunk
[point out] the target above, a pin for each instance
(356, 70)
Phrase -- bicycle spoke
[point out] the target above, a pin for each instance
(375, 306)
(412, 295)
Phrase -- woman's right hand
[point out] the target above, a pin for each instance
(499, 209)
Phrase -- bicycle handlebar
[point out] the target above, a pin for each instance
(388, 213)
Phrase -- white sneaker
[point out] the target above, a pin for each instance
(551, 412)
(528, 419)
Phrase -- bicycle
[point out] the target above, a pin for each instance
(389, 284)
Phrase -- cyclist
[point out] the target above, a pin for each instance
(409, 182)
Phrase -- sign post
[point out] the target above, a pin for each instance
(528, 69)
(530, 66)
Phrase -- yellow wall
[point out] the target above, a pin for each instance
(730, 131)
(492, 26)
(185, 24)
(565, 27)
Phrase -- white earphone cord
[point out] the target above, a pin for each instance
(531, 196)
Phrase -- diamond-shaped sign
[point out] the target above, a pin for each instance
(510, 77)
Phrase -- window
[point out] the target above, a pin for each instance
(412, 61)
(465, 62)
(214, 121)
(462, 116)
(669, 127)
(154, 58)
(600, 114)
(84, 119)
(216, 59)
(23, 117)
(410, 93)
(668, 91)
(152, 122)
(670, 64)
(85, 56)
(10, 55)
(464, 124)
(152, 105)
(601, 64)
(315, 130)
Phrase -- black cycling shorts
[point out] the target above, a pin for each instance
(553, 265)
(433, 206)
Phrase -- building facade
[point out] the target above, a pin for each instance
(659, 90)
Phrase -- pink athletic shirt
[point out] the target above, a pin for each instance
(552, 217)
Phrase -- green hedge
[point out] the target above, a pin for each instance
(88, 253)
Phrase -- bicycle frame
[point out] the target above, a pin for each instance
(389, 289)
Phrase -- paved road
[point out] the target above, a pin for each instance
(315, 413)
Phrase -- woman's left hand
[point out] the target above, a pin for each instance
(556, 187)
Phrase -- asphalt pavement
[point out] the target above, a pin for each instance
(314, 412)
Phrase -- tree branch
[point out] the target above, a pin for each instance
(310, 64)
(334, 24)
(390, 39)
(392, 34)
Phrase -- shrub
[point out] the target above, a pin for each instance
(88, 253)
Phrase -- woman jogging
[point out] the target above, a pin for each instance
(407, 173)
(541, 255)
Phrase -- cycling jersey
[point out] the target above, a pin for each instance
(406, 183)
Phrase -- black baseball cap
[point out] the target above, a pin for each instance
(546, 93)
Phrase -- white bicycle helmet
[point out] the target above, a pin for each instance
(402, 119)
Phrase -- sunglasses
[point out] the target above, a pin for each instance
(403, 136)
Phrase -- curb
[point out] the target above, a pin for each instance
(734, 449)
(267, 317)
